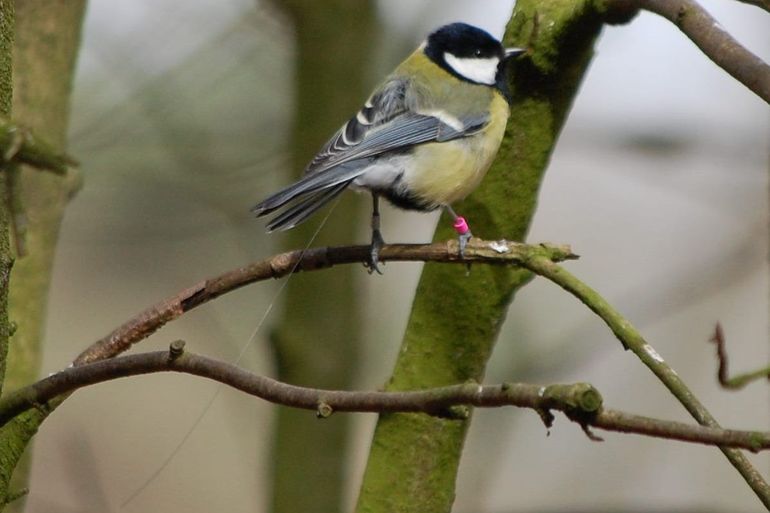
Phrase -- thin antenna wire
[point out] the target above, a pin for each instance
(242, 352)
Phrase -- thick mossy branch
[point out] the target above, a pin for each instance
(11, 448)
(6, 256)
(580, 398)
(47, 36)
(456, 319)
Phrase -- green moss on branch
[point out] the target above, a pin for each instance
(456, 318)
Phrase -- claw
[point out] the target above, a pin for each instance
(463, 239)
(377, 240)
(374, 253)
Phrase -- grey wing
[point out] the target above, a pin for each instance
(386, 103)
(385, 124)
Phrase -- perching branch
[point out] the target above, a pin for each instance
(633, 340)
(539, 259)
(708, 35)
(741, 380)
(580, 402)
(152, 319)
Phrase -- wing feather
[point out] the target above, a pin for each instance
(386, 124)
(304, 208)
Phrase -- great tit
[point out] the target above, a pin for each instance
(423, 140)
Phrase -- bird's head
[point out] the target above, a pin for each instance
(468, 52)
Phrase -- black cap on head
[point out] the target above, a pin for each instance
(464, 41)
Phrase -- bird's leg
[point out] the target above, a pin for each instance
(377, 241)
(461, 227)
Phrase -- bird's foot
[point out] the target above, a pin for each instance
(463, 233)
(374, 253)
(463, 239)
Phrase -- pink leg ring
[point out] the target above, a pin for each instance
(461, 226)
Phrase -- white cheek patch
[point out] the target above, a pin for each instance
(478, 70)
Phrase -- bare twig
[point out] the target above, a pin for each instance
(762, 4)
(580, 402)
(741, 380)
(537, 258)
(152, 319)
(706, 32)
(719, 339)
(633, 340)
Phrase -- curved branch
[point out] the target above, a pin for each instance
(708, 35)
(741, 380)
(536, 258)
(633, 340)
(149, 321)
(762, 4)
(580, 402)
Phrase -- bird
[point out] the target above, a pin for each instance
(423, 140)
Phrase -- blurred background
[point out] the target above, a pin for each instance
(184, 116)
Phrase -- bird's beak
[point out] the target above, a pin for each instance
(513, 52)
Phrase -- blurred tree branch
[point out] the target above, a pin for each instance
(19, 145)
(735, 382)
(47, 38)
(762, 4)
(580, 402)
(332, 69)
(707, 34)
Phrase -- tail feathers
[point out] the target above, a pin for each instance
(304, 208)
(310, 184)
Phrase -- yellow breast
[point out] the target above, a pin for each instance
(447, 172)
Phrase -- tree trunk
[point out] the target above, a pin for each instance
(6, 257)
(456, 317)
(317, 341)
(47, 36)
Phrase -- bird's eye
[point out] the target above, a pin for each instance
(478, 52)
